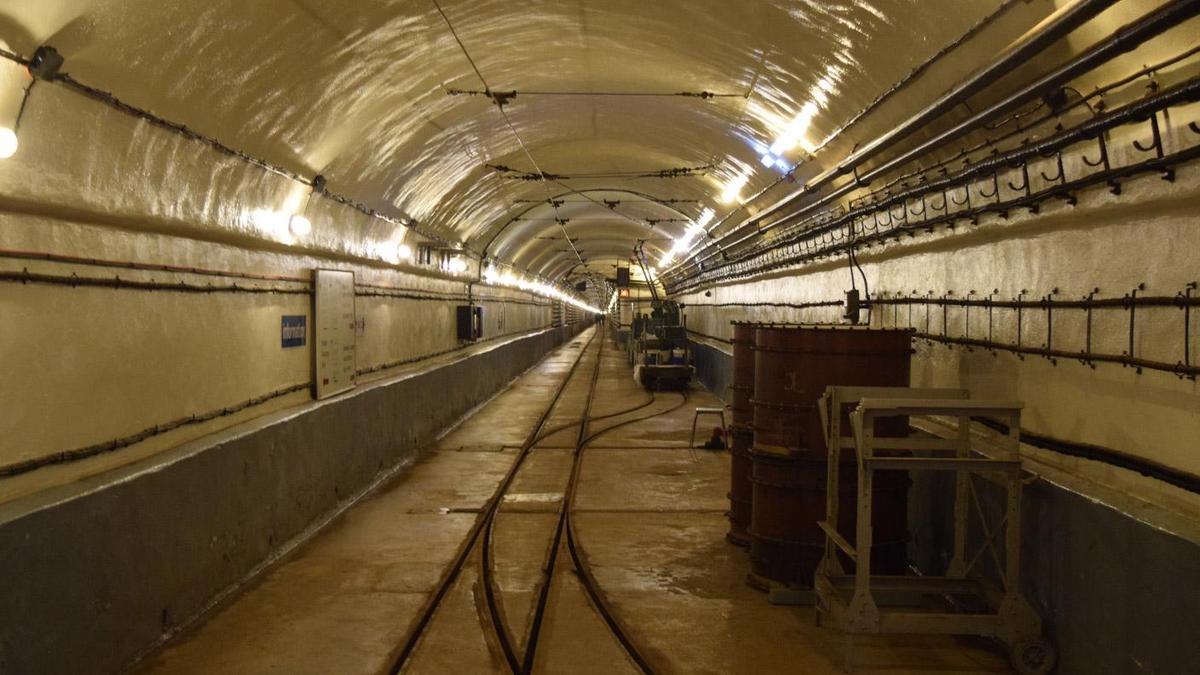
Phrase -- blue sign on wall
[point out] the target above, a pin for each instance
(293, 330)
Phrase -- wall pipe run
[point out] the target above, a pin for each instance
(1068, 19)
(1093, 128)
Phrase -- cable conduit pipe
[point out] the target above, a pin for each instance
(1185, 92)
(1068, 19)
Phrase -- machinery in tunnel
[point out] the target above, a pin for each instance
(660, 349)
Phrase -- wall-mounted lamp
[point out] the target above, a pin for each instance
(8, 143)
(404, 251)
(44, 65)
(299, 225)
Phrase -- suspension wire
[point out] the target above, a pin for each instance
(673, 172)
(488, 88)
(545, 179)
(648, 94)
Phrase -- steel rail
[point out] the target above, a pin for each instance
(530, 654)
(459, 562)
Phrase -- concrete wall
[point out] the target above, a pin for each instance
(98, 570)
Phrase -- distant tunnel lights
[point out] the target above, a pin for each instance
(8, 143)
(491, 276)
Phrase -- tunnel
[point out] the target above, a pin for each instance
(599, 336)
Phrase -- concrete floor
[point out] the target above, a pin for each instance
(650, 520)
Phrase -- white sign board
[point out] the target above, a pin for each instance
(334, 331)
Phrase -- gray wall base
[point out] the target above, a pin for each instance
(96, 572)
(1116, 596)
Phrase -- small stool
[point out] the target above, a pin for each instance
(708, 411)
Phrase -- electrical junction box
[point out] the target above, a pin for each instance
(470, 322)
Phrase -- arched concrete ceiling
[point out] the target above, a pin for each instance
(363, 93)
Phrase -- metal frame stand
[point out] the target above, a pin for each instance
(864, 603)
(709, 411)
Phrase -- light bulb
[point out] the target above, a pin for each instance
(8, 142)
(404, 251)
(299, 225)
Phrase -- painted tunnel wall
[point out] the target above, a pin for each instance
(143, 277)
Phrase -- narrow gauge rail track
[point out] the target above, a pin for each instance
(483, 532)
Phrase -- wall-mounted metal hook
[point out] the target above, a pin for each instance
(1155, 144)
(943, 207)
(1087, 343)
(1102, 160)
(990, 307)
(923, 207)
(1024, 186)
(1020, 320)
(1131, 304)
(1113, 186)
(995, 188)
(966, 199)
(967, 321)
(1061, 177)
(1048, 304)
(1186, 303)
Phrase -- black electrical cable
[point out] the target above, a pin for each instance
(525, 92)
(77, 454)
(24, 102)
(866, 288)
(1145, 467)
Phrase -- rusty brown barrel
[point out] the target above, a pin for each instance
(742, 386)
(741, 489)
(789, 499)
(740, 434)
(793, 366)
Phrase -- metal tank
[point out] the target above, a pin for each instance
(741, 435)
(792, 367)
